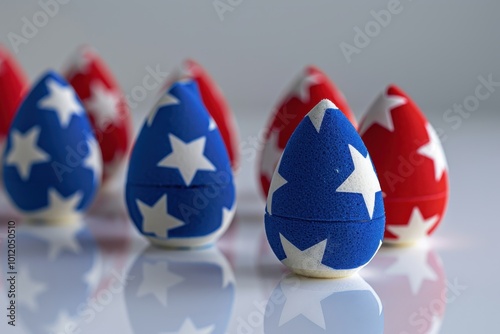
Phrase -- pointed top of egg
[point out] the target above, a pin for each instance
(217, 106)
(177, 146)
(392, 105)
(325, 172)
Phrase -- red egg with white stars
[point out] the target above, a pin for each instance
(217, 106)
(13, 85)
(106, 107)
(309, 88)
(410, 164)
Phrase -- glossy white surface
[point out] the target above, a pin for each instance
(102, 277)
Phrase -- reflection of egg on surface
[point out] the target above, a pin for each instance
(310, 87)
(58, 272)
(415, 275)
(167, 294)
(52, 163)
(411, 165)
(325, 214)
(303, 305)
(180, 190)
(106, 106)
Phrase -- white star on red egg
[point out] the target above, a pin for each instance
(381, 112)
(416, 228)
(103, 103)
(302, 87)
(81, 60)
(434, 151)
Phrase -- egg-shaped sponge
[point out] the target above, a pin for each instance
(180, 190)
(52, 162)
(325, 214)
(106, 106)
(411, 163)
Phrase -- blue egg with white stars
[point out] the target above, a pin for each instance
(52, 162)
(325, 214)
(180, 190)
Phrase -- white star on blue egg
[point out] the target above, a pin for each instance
(188, 158)
(363, 180)
(63, 101)
(382, 114)
(312, 226)
(179, 159)
(150, 221)
(25, 152)
(50, 150)
(58, 205)
(277, 182)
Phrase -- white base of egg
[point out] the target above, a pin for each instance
(53, 215)
(57, 220)
(406, 243)
(321, 271)
(325, 273)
